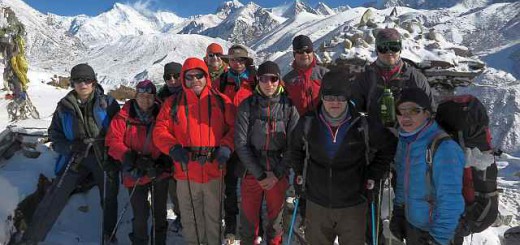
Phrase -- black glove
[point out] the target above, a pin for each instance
(164, 164)
(179, 154)
(129, 160)
(144, 162)
(398, 223)
(111, 165)
(222, 155)
(78, 146)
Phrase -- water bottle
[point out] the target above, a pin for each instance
(388, 108)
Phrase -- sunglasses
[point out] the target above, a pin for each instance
(214, 55)
(83, 80)
(172, 76)
(266, 79)
(238, 60)
(330, 98)
(301, 51)
(191, 77)
(386, 47)
(414, 111)
(148, 90)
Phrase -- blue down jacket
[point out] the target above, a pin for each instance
(437, 209)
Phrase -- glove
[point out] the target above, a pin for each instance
(164, 164)
(222, 155)
(78, 146)
(129, 160)
(398, 223)
(179, 154)
(144, 162)
(111, 165)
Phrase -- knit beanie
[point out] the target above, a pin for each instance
(82, 72)
(387, 35)
(336, 83)
(415, 95)
(268, 67)
(172, 68)
(214, 48)
(146, 85)
(302, 42)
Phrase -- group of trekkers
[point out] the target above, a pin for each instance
(219, 122)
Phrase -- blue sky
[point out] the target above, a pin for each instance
(182, 8)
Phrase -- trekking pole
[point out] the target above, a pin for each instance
(389, 185)
(297, 199)
(153, 210)
(221, 168)
(293, 220)
(185, 169)
(372, 207)
(125, 208)
(72, 160)
(104, 208)
(379, 202)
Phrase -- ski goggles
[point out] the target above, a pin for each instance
(267, 78)
(330, 98)
(172, 76)
(214, 55)
(191, 77)
(413, 111)
(389, 46)
(83, 80)
(301, 51)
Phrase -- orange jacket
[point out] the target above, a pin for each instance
(226, 84)
(127, 133)
(193, 127)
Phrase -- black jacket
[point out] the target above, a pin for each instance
(262, 130)
(339, 182)
(367, 89)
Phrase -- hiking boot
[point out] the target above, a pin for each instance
(229, 239)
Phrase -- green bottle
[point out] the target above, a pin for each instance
(387, 108)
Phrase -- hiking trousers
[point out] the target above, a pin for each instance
(324, 224)
(252, 197)
(56, 198)
(141, 210)
(205, 197)
(230, 199)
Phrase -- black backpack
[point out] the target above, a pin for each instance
(466, 121)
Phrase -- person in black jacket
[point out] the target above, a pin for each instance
(263, 123)
(338, 168)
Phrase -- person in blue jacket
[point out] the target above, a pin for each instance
(77, 133)
(427, 208)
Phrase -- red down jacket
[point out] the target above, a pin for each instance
(193, 126)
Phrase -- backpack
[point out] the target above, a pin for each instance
(466, 121)
(182, 96)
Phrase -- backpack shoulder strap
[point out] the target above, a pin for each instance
(364, 126)
(430, 153)
(175, 105)
(220, 100)
(223, 82)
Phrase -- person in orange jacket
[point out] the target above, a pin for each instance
(196, 129)
(145, 169)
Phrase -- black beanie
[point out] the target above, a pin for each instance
(336, 83)
(302, 42)
(82, 72)
(172, 68)
(268, 67)
(415, 95)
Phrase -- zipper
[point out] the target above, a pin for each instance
(407, 177)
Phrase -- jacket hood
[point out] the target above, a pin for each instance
(195, 63)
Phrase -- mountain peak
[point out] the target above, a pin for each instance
(323, 9)
(298, 7)
(227, 7)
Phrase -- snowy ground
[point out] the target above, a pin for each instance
(19, 176)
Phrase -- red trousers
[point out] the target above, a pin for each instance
(252, 197)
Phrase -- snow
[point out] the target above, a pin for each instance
(129, 43)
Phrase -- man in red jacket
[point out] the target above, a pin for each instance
(196, 129)
(303, 82)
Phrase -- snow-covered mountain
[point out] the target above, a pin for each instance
(423, 4)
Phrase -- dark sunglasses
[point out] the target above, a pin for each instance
(414, 111)
(238, 60)
(172, 76)
(83, 80)
(214, 55)
(266, 79)
(191, 77)
(330, 98)
(386, 47)
(148, 90)
(301, 51)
